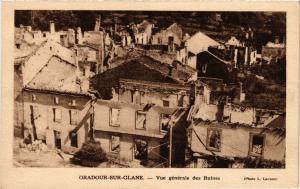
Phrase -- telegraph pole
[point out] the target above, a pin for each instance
(170, 146)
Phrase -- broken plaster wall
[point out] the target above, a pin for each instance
(44, 117)
(207, 112)
(126, 152)
(127, 118)
(235, 142)
(240, 115)
(156, 98)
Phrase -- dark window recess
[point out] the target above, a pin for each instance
(115, 144)
(257, 145)
(140, 122)
(74, 139)
(57, 115)
(18, 46)
(164, 122)
(214, 139)
(166, 103)
(57, 139)
(93, 68)
(114, 119)
(132, 96)
(180, 101)
(140, 149)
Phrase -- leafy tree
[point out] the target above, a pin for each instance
(91, 154)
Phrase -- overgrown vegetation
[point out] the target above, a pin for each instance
(274, 71)
(265, 94)
(91, 154)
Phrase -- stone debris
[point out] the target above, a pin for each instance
(35, 146)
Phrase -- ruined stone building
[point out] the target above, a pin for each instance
(133, 127)
(92, 46)
(223, 133)
(234, 142)
(170, 36)
(51, 97)
(273, 51)
(144, 68)
(142, 97)
(192, 46)
(70, 87)
(65, 38)
(143, 32)
(240, 53)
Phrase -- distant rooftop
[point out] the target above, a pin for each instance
(275, 45)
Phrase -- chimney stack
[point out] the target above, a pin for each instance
(79, 36)
(98, 23)
(116, 25)
(52, 27)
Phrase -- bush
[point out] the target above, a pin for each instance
(91, 155)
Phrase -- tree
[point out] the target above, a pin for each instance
(91, 154)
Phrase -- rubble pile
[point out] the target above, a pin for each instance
(35, 146)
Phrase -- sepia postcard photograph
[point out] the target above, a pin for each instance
(107, 93)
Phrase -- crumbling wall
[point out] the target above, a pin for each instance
(235, 142)
(207, 112)
(240, 114)
(44, 117)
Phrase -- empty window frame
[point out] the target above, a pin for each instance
(164, 122)
(140, 120)
(180, 100)
(57, 139)
(183, 100)
(74, 139)
(73, 116)
(140, 149)
(114, 117)
(213, 141)
(166, 103)
(57, 115)
(115, 144)
(256, 146)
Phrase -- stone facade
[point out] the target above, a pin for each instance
(47, 113)
(236, 142)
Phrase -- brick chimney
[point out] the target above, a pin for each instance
(116, 25)
(98, 23)
(79, 36)
(52, 27)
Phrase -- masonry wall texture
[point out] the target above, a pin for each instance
(162, 37)
(44, 116)
(127, 145)
(127, 129)
(235, 142)
(127, 118)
